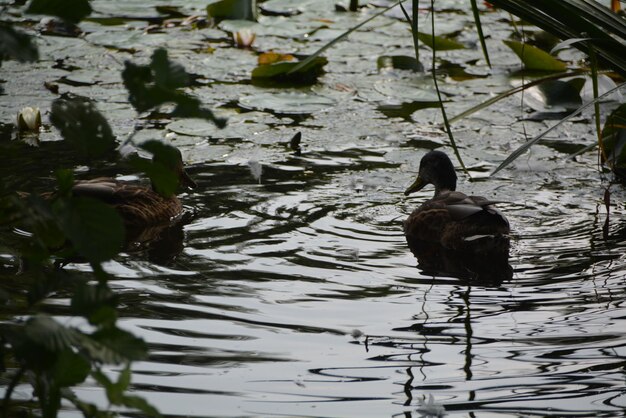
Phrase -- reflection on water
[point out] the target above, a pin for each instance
(302, 299)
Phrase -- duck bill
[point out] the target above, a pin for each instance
(417, 185)
(187, 181)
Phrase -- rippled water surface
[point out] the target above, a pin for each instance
(295, 294)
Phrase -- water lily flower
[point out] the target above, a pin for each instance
(29, 119)
(244, 38)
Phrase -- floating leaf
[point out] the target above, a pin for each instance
(283, 72)
(83, 126)
(233, 10)
(439, 43)
(72, 11)
(287, 103)
(16, 45)
(535, 58)
(400, 62)
(273, 57)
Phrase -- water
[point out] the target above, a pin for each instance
(294, 293)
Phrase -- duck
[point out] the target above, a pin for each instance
(450, 218)
(138, 205)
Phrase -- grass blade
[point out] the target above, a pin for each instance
(341, 37)
(515, 154)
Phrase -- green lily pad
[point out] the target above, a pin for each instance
(233, 9)
(406, 91)
(281, 72)
(535, 58)
(287, 103)
(400, 62)
(439, 43)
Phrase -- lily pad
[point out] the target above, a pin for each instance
(535, 58)
(233, 9)
(439, 43)
(400, 62)
(555, 96)
(282, 72)
(287, 103)
(405, 91)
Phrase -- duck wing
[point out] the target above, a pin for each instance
(106, 189)
(461, 206)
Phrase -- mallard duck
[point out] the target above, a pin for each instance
(453, 219)
(139, 206)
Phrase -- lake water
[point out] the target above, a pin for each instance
(294, 293)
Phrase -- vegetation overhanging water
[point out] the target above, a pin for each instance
(290, 290)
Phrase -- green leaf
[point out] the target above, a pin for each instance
(124, 344)
(70, 369)
(16, 45)
(163, 168)
(534, 58)
(401, 62)
(233, 10)
(290, 72)
(83, 126)
(72, 11)
(140, 404)
(96, 302)
(439, 43)
(95, 229)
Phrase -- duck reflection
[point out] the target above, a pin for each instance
(485, 268)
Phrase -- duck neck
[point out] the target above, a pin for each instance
(439, 189)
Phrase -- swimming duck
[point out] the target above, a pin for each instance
(453, 219)
(138, 205)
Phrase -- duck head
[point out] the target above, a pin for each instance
(436, 169)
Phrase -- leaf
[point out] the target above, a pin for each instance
(273, 57)
(94, 228)
(439, 43)
(286, 72)
(16, 45)
(70, 369)
(72, 11)
(163, 168)
(96, 302)
(534, 58)
(140, 404)
(233, 10)
(124, 344)
(401, 62)
(83, 126)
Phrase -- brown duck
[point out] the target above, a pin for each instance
(453, 219)
(138, 205)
